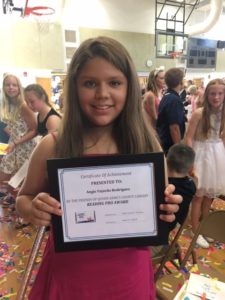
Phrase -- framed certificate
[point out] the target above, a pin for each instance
(108, 201)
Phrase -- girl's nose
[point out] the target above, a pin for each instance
(102, 91)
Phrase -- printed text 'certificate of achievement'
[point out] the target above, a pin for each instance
(108, 202)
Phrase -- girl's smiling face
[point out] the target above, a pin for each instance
(216, 95)
(11, 87)
(102, 91)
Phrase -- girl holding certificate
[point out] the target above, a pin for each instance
(102, 115)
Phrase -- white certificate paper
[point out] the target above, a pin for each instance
(107, 202)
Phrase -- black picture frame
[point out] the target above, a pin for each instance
(157, 159)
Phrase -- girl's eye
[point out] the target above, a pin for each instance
(216, 94)
(89, 84)
(115, 83)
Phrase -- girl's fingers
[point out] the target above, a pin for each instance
(172, 204)
(170, 197)
(43, 206)
(169, 208)
(46, 198)
(174, 199)
(45, 203)
(42, 215)
(167, 218)
(170, 188)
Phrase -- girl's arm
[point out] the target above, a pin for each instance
(192, 127)
(149, 106)
(53, 123)
(7, 130)
(30, 119)
(34, 203)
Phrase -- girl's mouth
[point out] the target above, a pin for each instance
(101, 107)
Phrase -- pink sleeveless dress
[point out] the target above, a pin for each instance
(113, 274)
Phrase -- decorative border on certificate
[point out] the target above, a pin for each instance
(108, 201)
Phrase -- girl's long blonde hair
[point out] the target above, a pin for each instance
(207, 110)
(8, 114)
(130, 132)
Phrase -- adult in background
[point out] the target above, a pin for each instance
(170, 124)
(153, 95)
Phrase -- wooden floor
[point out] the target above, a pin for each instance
(16, 244)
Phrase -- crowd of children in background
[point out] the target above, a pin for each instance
(188, 122)
(195, 115)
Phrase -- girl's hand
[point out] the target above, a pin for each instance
(10, 148)
(172, 205)
(42, 208)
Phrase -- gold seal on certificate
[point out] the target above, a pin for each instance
(108, 201)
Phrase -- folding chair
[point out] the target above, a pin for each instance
(172, 255)
(212, 226)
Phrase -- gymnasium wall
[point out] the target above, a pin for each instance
(24, 44)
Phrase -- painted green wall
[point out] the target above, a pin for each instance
(140, 46)
(27, 45)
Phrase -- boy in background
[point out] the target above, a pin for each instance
(170, 124)
(180, 162)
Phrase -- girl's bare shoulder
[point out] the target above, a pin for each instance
(149, 95)
(45, 148)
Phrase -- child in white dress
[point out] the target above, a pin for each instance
(206, 134)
